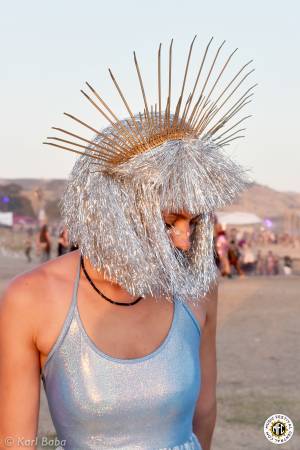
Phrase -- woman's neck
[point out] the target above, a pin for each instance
(109, 287)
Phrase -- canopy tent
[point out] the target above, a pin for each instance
(238, 218)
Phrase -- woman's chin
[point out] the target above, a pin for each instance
(183, 246)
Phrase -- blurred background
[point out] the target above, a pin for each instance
(49, 49)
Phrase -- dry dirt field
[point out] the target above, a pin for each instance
(258, 343)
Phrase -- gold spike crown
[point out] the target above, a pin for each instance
(199, 117)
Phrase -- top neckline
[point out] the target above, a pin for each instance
(109, 357)
(129, 360)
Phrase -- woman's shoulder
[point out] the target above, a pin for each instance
(52, 271)
(206, 307)
(32, 293)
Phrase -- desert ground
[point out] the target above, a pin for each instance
(258, 342)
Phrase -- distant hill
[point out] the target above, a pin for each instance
(11, 199)
(267, 202)
(51, 187)
(258, 199)
(27, 195)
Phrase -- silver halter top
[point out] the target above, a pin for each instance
(100, 402)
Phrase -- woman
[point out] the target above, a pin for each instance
(222, 250)
(33, 313)
(44, 244)
(123, 330)
(63, 243)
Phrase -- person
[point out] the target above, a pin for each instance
(44, 244)
(287, 265)
(276, 265)
(234, 257)
(217, 226)
(28, 245)
(248, 258)
(122, 331)
(63, 242)
(222, 250)
(270, 263)
(260, 267)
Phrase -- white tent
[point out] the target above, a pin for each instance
(238, 218)
(6, 218)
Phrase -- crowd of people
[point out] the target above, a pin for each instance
(236, 253)
(263, 236)
(43, 244)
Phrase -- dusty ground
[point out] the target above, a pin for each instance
(258, 358)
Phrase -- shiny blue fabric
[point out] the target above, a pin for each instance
(100, 402)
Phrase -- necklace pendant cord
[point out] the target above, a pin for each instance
(100, 293)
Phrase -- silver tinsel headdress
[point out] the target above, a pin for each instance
(151, 162)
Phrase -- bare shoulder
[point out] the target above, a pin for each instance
(30, 284)
(29, 295)
(206, 310)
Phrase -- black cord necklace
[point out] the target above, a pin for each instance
(100, 293)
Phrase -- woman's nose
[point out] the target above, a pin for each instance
(182, 230)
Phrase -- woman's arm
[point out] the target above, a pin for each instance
(206, 408)
(19, 368)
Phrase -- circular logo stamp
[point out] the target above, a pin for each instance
(278, 428)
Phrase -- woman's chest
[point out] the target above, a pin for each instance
(121, 335)
(89, 383)
(114, 333)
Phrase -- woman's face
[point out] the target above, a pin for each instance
(180, 226)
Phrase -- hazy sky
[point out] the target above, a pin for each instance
(50, 48)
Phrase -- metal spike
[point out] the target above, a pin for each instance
(198, 76)
(159, 83)
(210, 71)
(174, 123)
(143, 90)
(71, 150)
(106, 139)
(118, 123)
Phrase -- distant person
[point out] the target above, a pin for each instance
(44, 244)
(270, 263)
(222, 251)
(260, 264)
(63, 243)
(234, 257)
(248, 258)
(28, 246)
(217, 226)
(287, 265)
(276, 265)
